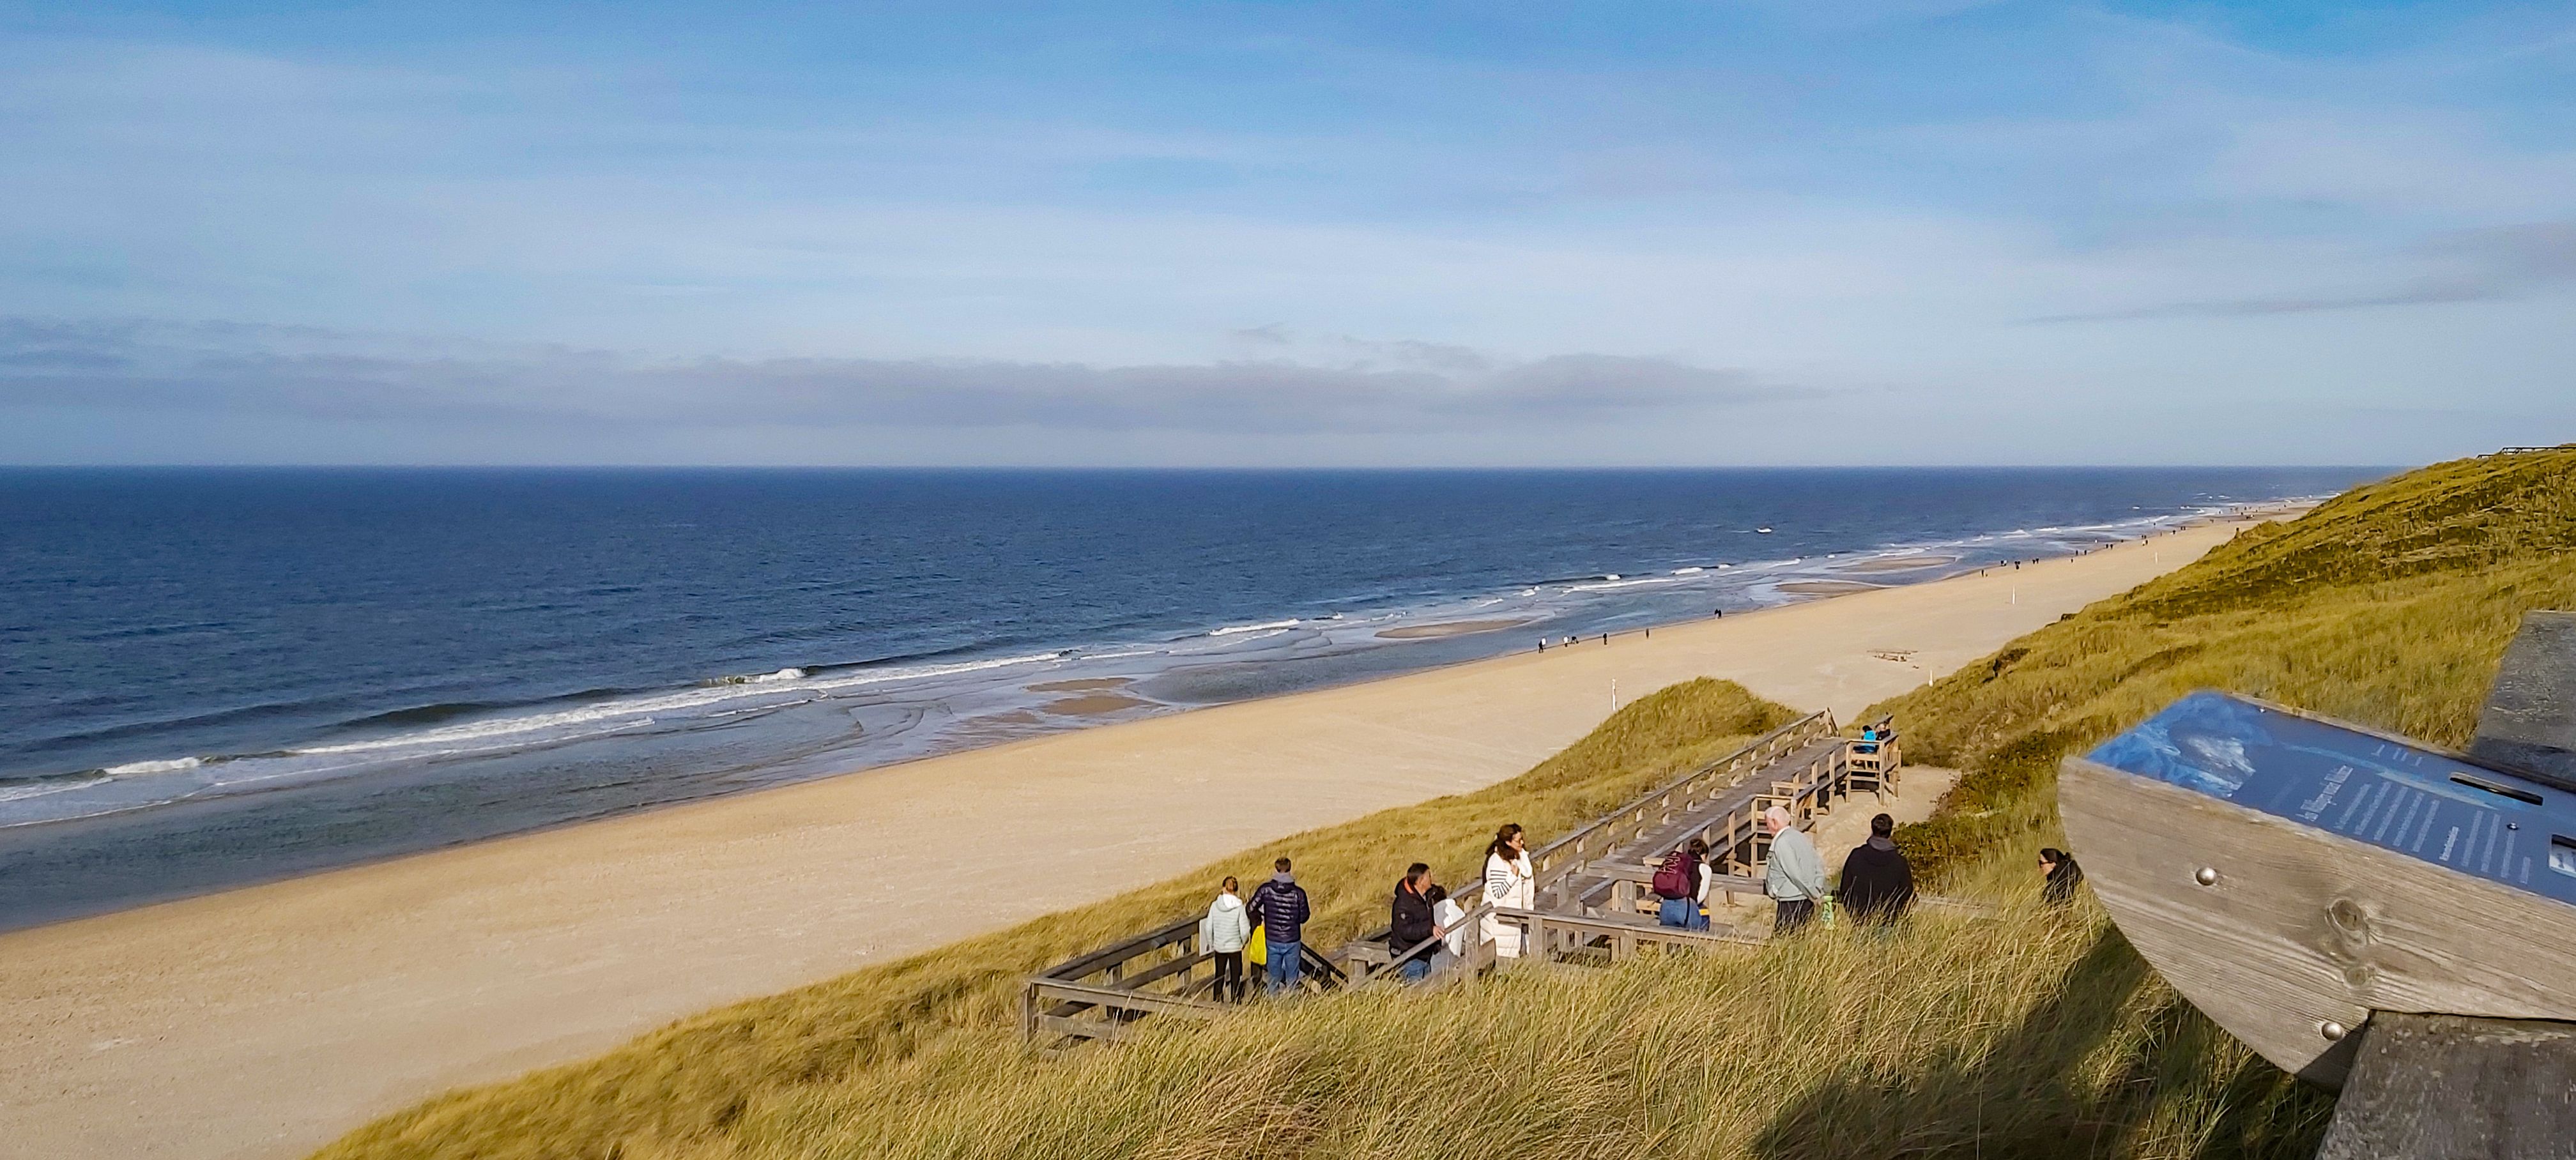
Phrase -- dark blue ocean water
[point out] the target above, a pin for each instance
(210, 677)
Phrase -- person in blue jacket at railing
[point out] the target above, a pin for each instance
(1281, 906)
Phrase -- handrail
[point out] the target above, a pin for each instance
(1103, 959)
(1547, 865)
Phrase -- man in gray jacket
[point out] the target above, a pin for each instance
(1794, 876)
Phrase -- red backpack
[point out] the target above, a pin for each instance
(1672, 879)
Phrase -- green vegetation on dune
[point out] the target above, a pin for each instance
(2387, 606)
(693, 1081)
(2037, 1035)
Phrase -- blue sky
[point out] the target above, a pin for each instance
(1634, 233)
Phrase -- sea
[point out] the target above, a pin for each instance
(213, 677)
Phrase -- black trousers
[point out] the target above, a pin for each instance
(1229, 976)
(1789, 916)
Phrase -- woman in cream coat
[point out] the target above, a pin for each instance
(1508, 883)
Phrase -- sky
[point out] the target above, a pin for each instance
(1487, 234)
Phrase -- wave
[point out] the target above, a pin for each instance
(1614, 583)
(136, 768)
(1268, 626)
(786, 674)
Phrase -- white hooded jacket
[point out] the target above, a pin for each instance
(1227, 927)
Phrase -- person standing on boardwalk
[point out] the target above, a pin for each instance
(1222, 934)
(1410, 923)
(1794, 874)
(1509, 883)
(1682, 882)
(1281, 906)
(1446, 912)
(1878, 884)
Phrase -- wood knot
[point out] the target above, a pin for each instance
(2350, 920)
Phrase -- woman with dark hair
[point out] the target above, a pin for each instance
(2063, 876)
(1509, 883)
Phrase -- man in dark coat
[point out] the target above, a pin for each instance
(1280, 904)
(1877, 883)
(1409, 922)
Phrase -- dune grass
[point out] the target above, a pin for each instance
(2388, 606)
(2036, 1035)
(693, 1080)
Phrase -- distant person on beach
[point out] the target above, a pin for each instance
(1794, 874)
(1281, 906)
(1411, 923)
(1682, 882)
(1878, 884)
(1451, 917)
(2062, 876)
(1508, 883)
(1223, 934)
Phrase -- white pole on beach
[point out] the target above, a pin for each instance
(1614, 694)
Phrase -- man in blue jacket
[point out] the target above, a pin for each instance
(1280, 905)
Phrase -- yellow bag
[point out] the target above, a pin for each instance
(1257, 952)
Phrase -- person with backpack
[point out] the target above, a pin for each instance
(1410, 923)
(1682, 882)
(1223, 934)
(1280, 905)
(1878, 884)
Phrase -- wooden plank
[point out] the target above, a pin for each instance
(1123, 1000)
(2456, 1088)
(1157, 974)
(1103, 959)
(2300, 928)
(2528, 724)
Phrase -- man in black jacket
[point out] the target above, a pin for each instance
(1877, 883)
(1280, 905)
(1409, 922)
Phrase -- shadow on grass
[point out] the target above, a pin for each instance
(2184, 1091)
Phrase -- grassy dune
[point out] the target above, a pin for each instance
(2033, 1036)
(697, 1079)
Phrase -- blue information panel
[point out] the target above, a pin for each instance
(2390, 794)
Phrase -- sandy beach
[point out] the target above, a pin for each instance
(265, 1021)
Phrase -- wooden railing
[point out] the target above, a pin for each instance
(1165, 972)
(1161, 972)
(1660, 806)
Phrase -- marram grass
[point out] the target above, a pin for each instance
(2038, 1035)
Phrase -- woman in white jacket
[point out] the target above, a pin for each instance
(1222, 934)
(1508, 883)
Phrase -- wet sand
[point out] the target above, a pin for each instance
(1452, 628)
(1095, 704)
(1826, 587)
(263, 1022)
(1899, 564)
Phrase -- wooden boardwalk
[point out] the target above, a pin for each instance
(1593, 907)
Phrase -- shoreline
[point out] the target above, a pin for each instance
(266, 1020)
